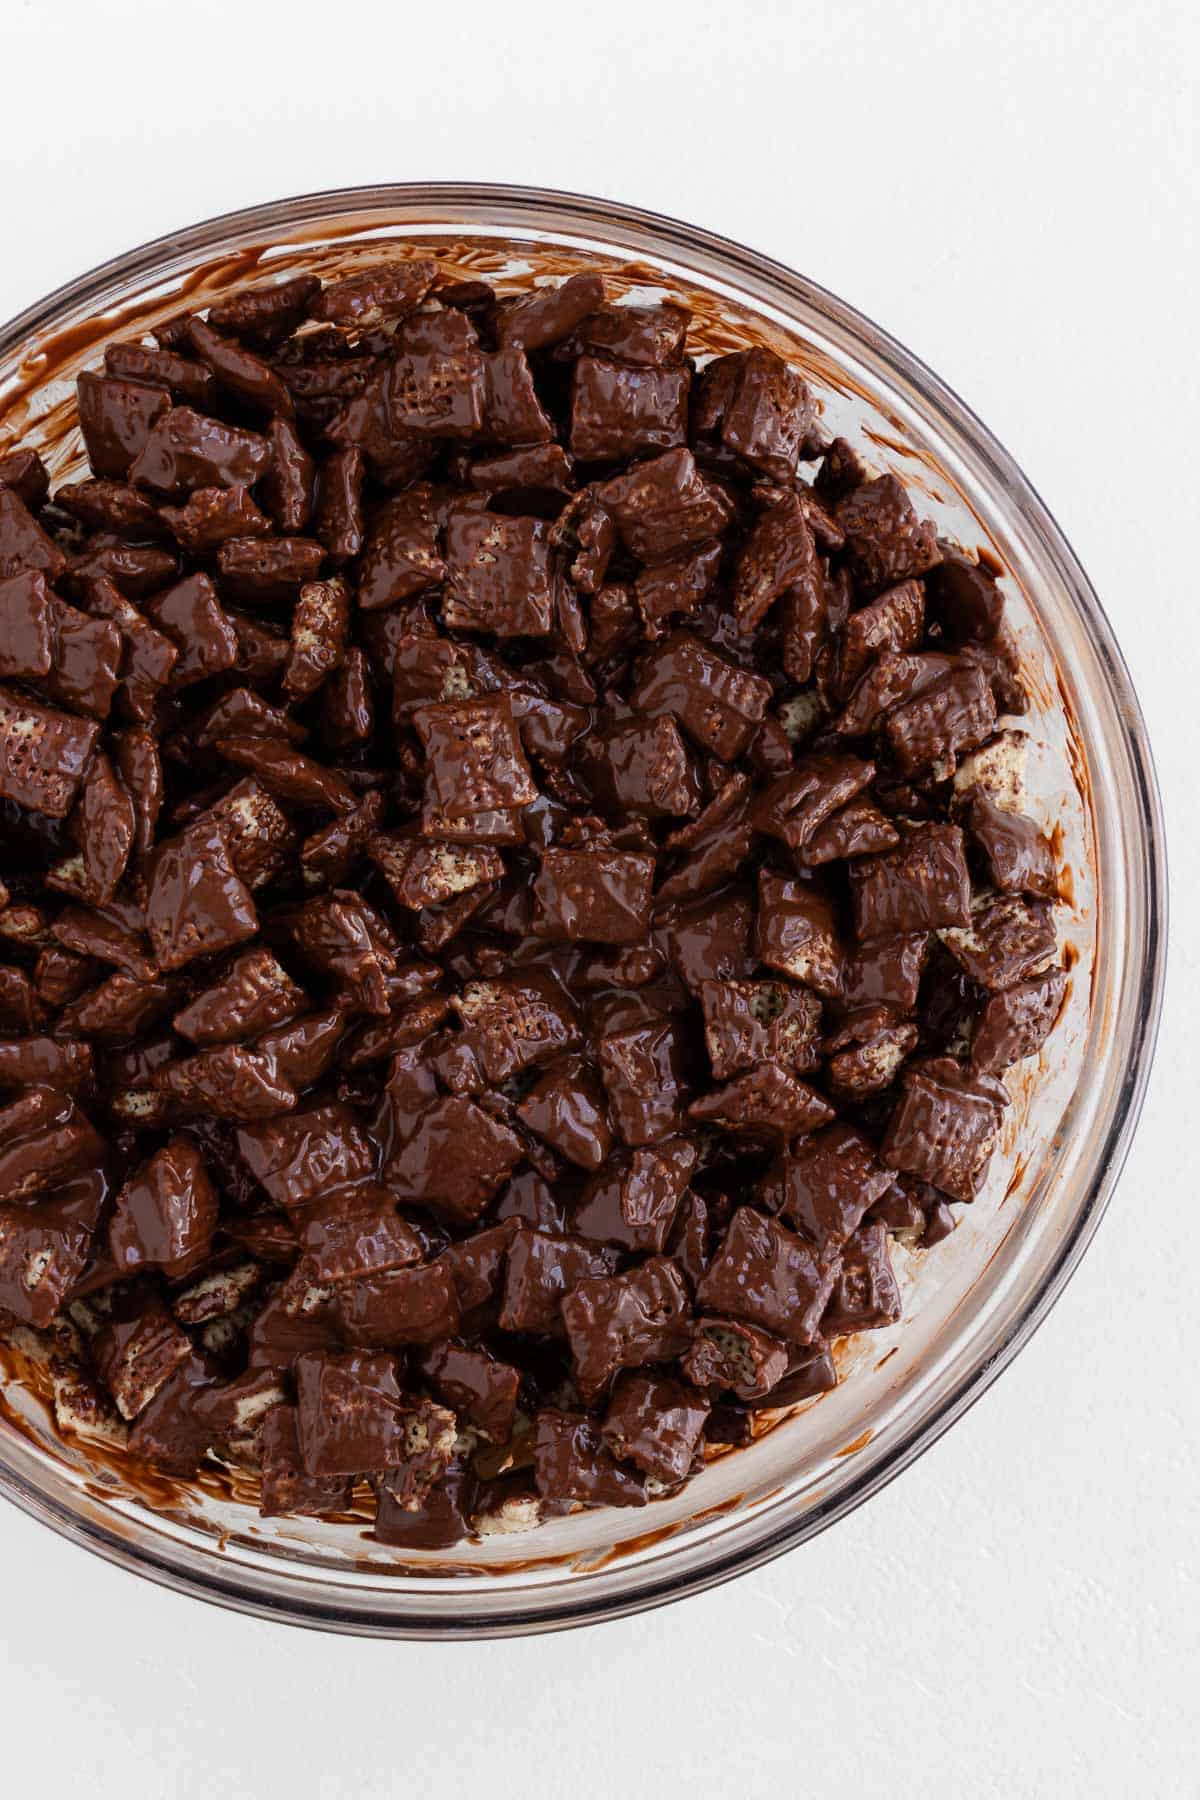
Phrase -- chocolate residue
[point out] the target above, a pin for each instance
(61, 355)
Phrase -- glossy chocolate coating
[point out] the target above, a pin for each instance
(509, 894)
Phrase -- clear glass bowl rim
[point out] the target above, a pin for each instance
(202, 1575)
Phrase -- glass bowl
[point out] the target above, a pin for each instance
(969, 1305)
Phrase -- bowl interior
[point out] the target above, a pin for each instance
(968, 1303)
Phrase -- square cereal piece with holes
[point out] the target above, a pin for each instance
(885, 541)
(797, 933)
(749, 1022)
(286, 1487)
(572, 1463)
(137, 1351)
(642, 1070)
(399, 1307)
(1007, 940)
(766, 1274)
(945, 1126)
(350, 1414)
(542, 1268)
(625, 1321)
(830, 1181)
(1016, 1021)
(927, 733)
(43, 754)
(456, 1159)
(435, 383)
(499, 577)
(759, 408)
(424, 874)
(515, 1022)
(728, 1355)
(307, 1154)
(260, 837)
(596, 895)
(620, 411)
(765, 1103)
(718, 704)
(473, 756)
(633, 1201)
(656, 1424)
(919, 886)
(664, 505)
(45, 1248)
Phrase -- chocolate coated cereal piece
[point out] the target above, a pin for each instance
(43, 754)
(731, 1355)
(44, 1248)
(117, 418)
(252, 994)
(239, 371)
(760, 408)
(572, 1462)
(797, 934)
(1019, 859)
(1016, 1021)
(866, 1062)
(956, 713)
(196, 902)
(298, 1158)
(287, 774)
(192, 616)
(599, 895)
(633, 1202)
(498, 574)
(549, 314)
(717, 703)
(764, 1102)
(866, 1294)
(663, 506)
(945, 1126)
(26, 626)
(885, 541)
(566, 1107)
(894, 620)
(779, 554)
(641, 1067)
(210, 515)
(480, 1389)
(656, 1424)
(830, 1181)
(435, 383)
(259, 837)
(26, 474)
(286, 1487)
(350, 1412)
(624, 1321)
(403, 1306)
(473, 756)
(753, 1022)
(457, 1158)
(619, 411)
(540, 1270)
(1007, 940)
(965, 599)
(769, 1276)
(166, 1213)
(363, 300)
(919, 886)
(186, 450)
(137, 1351)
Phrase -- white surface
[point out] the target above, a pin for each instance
(1012, 191)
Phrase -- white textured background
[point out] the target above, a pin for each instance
(1012, 190)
